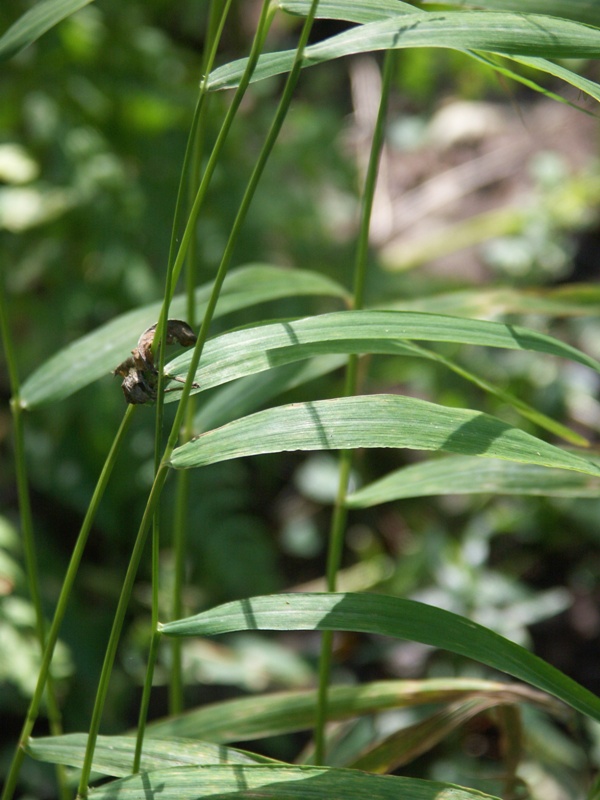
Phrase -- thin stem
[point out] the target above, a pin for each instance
(162, 472)
(26, 517)
(338, 520)
(115, 634)
(218, 12)
(61, 605)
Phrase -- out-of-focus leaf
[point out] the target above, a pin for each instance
(373, 421)
(388, 616)
(35, 22)
(99, 352)
(586, 11)
(574, 300)
(470, 475)
(285, 712)
(279, 783)
(113, 755)
(403, 746)
(504, 33)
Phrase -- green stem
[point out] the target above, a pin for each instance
(338, 520)
(115, 634)
(216, 23)
(162, 472)
(61, 606)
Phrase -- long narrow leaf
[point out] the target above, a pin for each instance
(572, 300)
(470, 475)
(279, 783)
(244, 352)
(586, 11)
(507, 34)
(368, 10)
(359, 12)
(113, 755)
(270, 347)
(283, 712)
(403, 746)
(374, 421)
(99, 352)
(256, 391)
(35, 22)
(389, 616)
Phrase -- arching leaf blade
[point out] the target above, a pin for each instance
(113, 755)
(279, 783)
(273, 714)
(375, 421)
(34, 23)
(389, 616)
(471, 475)
(98, 353)
(503, 33)
(359, 11)
(255, 391)
(249, 350)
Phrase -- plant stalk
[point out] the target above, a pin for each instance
(338, 520)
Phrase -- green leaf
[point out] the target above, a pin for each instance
(279, 783)
(362, 12)
(358, 12)
(572, 300)
(284, 712)
(388, 616)
(503, 33)
(373, 421)
(255, 391)
(250, 350)
(35, 22)
(99, 352)
(406, 744)
(527, 411)
(113, 755)
(268, 347)
(584, 84)
(469, 475)
(587, 11)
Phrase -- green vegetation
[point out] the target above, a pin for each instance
(380, 433)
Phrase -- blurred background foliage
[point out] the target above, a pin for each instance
(93, 128)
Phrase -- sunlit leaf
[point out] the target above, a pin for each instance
(35, 22)
(580, 10)
(113, 755)
(251, 350)
(242, 353)
(256, 717)
(503, 33)
(248, 394)
(572, 300)
(99, 352)
(586, 11)
(389, 616)
(349, 10)
(366, 11)
(470, 475)
(373, 421)
(279, 783)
